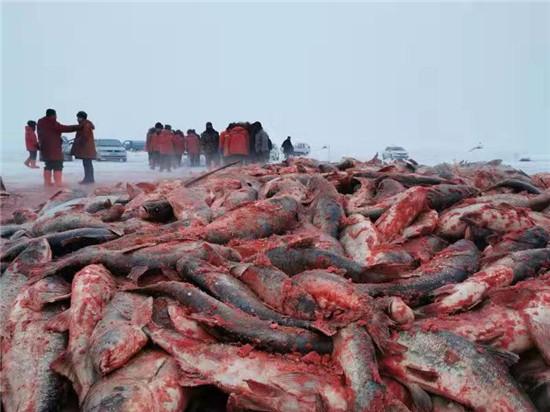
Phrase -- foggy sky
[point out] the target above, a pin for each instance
(355, 76)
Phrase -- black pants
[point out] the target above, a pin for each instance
(88, 170)
(32, 154)
(194, 160)
(56, 165)
(212, 159)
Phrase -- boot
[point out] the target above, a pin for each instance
(58, 178)
(47, 178)
(33, 164)
(27, 163)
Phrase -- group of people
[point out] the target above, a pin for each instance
(166, 147)
(245, 142)
(45, 135)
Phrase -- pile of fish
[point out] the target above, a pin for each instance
(300, 286)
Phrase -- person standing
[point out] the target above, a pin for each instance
(210, 142)
(165, 145)
(155, 153)
(238, 144)
(224, 142)
(84, 147)
(179, 147)
(193, 147)
(50, 143)
(261, 142)
(288, 148)
(149, 146)
(31, 143)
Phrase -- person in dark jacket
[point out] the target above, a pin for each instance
(50, 143)
(210, 141)
(31, 143)
(84, 147)
(288, 148)
(253, 129)
(261, 144)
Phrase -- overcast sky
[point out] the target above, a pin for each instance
(357, 76)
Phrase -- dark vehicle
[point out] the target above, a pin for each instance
(110, 149)
(134, 145)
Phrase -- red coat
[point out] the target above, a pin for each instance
(179, 143)
(84, 145)
(238, 141)
(31, 142)
(192, 144)
(164, 142)
(49, 137)
(224, 141)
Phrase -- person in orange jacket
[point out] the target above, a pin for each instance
(224, 140)
(31, 143)
(154, 147)
(165, 145)
(179, 147)
(193, 147)
(237, 144)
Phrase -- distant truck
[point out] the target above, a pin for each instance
(395, 153)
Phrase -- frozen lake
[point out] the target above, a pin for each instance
(17, 175)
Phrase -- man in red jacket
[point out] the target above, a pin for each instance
(179, 147)
(49, 141)
(193, 147)
(31, 142)
(84, 147)
(154, 147)
(238, 144)
(165, 144)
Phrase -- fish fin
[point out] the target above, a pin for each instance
(262, 389)
(63, 365)
(118, 232)
(136, 247)
(203, 318)
(421, 400)
(424, 374)
(137, 272)
(60, 322)
(504, 356)
(190, 379)
(238, 269)
(540, 333)
(144, 312)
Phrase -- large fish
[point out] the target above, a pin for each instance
(255, 380)
(64, 242)
(138, 259)
(326, 208)
(65, 221)
(236, 325)
(276, 289)
(451, 366)
(13, 280)
(441, 197)
(394, 220)
(532, 238)
(226, 288)
(453, 264)
(119, 335)
(354, 353)
(358, 238)
(92, 289)
(503, 272)
(29, 348)
(149, 382)
(514, 319)
(293, 260)
(255, 220)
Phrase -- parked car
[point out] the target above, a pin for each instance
(66, 147)
(301, 149)
(134, 145)
(395, 153)
(110, 149)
